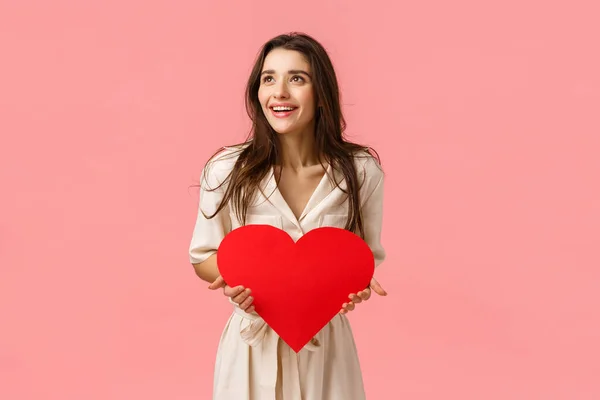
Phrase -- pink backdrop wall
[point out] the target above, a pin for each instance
(486, 118)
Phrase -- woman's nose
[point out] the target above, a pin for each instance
(280, 90)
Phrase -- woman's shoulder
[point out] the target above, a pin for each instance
(368, 172)
(367, 164)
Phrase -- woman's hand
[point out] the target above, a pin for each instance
(239, 294)
(362, 295)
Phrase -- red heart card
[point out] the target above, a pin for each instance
(298, 287)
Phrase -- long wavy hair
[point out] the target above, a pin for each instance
(261, 149)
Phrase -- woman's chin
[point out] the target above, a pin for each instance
(289, 130)
(283, 130)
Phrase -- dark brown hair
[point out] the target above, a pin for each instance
(262, 151)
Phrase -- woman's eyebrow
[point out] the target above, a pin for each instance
(291, 71)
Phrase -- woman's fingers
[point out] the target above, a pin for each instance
(347, 307)
(365, 294)
(238, 294)
(241, 297)
(232, 291)
(359, 297)
(245, 305)
(355, 298)
(218, 283)
(377, 288)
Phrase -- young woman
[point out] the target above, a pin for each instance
(295, 172)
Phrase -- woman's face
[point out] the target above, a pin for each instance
(286, 79)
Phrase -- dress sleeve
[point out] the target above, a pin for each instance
(372, 212)
(208, 233)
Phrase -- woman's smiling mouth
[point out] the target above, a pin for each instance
(282, 111)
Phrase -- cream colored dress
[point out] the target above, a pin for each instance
(252, 362)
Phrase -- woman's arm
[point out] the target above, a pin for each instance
(209, 232)
(207, 270)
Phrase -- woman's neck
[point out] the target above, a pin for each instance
(298, 151)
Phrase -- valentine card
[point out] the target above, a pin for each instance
(298, 287)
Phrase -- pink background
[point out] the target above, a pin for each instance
(486, 118)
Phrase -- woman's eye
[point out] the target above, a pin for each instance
(266, 78)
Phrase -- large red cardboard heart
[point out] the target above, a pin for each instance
(298, 287)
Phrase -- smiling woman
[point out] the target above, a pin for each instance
(296, 172)
(297, 82)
